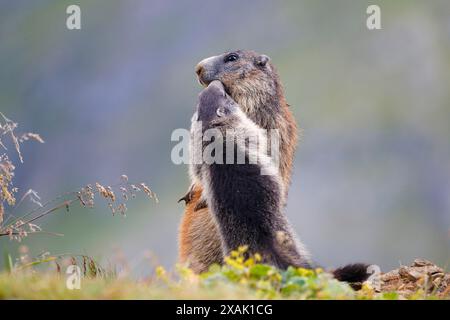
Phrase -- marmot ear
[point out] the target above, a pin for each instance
(262, 60)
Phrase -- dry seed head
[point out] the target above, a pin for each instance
(124, 192)
(34, 227)
(135, 188)
(122, 208)
(2, 211)
(111, 207)
(30, 135)
(101, 190)
(111, 194)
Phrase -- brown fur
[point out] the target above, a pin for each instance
(199, 240)
(254, 91)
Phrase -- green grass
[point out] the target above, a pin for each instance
(237, 279)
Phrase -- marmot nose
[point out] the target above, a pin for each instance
(199, 69)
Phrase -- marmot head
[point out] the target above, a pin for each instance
(215, 103)
(247, 76)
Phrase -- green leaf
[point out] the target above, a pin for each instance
(299, 281)
(260, 270)
(8, 261)
(390, 296)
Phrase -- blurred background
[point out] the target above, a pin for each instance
(372, 172)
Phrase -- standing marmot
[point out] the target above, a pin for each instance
(252, 81)
(246, 198)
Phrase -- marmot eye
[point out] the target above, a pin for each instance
(231, 57)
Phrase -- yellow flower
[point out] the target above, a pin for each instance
(243, 249)
(161, 272)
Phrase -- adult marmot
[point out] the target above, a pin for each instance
(252, 81)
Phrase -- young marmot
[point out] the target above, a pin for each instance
(252, 81)
(246, 204)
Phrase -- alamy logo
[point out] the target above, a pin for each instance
(231, 147)
(373, 21)
(73, 280)
(73, 21)
(375, 276)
